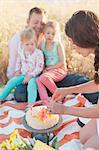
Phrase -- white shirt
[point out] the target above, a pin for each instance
(13, 46)
(31, 64)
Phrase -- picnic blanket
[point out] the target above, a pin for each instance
(11, 114)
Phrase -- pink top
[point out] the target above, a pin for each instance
(30, 63)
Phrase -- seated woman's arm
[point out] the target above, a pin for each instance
(92, 112)
(89, 87)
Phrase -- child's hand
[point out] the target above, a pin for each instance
(17, 73)
(48, 68)
(44, 70)
(56, 108)
(26, 79)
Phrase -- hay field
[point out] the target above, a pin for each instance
(13, 15)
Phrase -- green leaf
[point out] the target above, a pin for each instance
(55, 143)
(28, 146)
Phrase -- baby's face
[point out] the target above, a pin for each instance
(49, 34)
(29, 45)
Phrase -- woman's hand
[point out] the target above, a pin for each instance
(59, 94)
(56, 108)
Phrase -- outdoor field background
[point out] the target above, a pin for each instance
(13, 15)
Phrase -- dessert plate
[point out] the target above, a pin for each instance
(49, 130)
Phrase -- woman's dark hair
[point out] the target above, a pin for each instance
(83, 29)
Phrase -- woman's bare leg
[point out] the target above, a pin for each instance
(92, 143)
(89, 130)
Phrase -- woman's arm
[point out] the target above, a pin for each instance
(89, 87)
(13, 52)
(57, 108)
(92, 112)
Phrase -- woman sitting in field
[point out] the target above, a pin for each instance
(83, 32)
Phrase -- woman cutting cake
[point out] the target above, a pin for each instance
(83, 32)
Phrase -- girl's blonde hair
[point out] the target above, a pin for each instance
(28, 34)
(55, 26)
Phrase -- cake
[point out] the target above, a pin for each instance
(38, 118)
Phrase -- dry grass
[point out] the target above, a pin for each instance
(13, 17)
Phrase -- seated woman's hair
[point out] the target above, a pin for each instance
(83, 29)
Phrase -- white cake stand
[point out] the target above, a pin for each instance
(46, 131)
